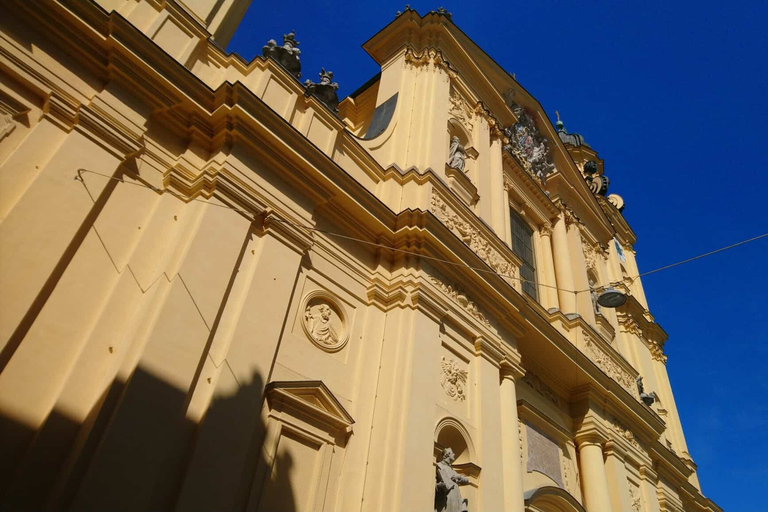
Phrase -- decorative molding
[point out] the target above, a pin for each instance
(520, 438)
(313, 399)
(534, 382)
(608, 365)
(629, 324)
(461, 298)
(453, 379)
(634, 496)
(324, 321)
(430, 57)
(657, 352)
(624, 432)
(472, 237)
(528, 146)
(590, 254)
(461, 111)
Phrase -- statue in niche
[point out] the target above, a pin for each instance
(320, 325)
(287, 55)
(447, 494)
(593, 294)
(325, 91)
(457, 154)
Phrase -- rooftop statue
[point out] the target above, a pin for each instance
(287, 55)
(325, 91)
(457, 154)
(647, 398)
(447, 494)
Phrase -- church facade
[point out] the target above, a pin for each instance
(225, 289)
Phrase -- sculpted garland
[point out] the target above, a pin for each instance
(609, 366)
(472, 237)
(461, 298)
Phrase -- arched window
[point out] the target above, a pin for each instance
(522, 246)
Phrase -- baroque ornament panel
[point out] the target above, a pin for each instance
(472, 237)
(453, 379)
(461, 298)
(609, 366)
(527, 145)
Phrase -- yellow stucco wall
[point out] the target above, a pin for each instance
(217, 295)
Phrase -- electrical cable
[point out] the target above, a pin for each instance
(403, 251)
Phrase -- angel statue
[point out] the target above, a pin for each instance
(457, 154)
(453, 379)
(447, 494)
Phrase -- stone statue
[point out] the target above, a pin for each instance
(325, 91)
(593, 294)
(319, 324)
(647, 398)
(447, 494)
(457, 154)
(287, 55)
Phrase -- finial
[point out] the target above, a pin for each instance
(559, 125)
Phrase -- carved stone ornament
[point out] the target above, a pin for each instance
(527, 145)
(624, 432)
(325, 91)
(453, 379)
(657, 352)
(617, 201)
(287, 55)
(461, 298)
(535, 383)
(430, 57)
(400, 13)
(324, 321)
(609, 366)
(590, 254)
(628, 324)
(460, 110)
(472, 237)
(634, 496)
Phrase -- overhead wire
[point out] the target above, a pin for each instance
(405, 251)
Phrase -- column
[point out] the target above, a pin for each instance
(593, 478)
(583, 299)
(497, 192)
(616, 474)
(563, 269)
(648, 479)
(513, 471)
(674, 427)
(546, 273)
(637, 285)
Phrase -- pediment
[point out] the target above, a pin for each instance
(313, 399)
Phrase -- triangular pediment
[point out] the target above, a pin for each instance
(312, 398)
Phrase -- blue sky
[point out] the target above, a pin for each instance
(673, 97)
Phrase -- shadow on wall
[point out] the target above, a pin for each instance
(138, 451)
